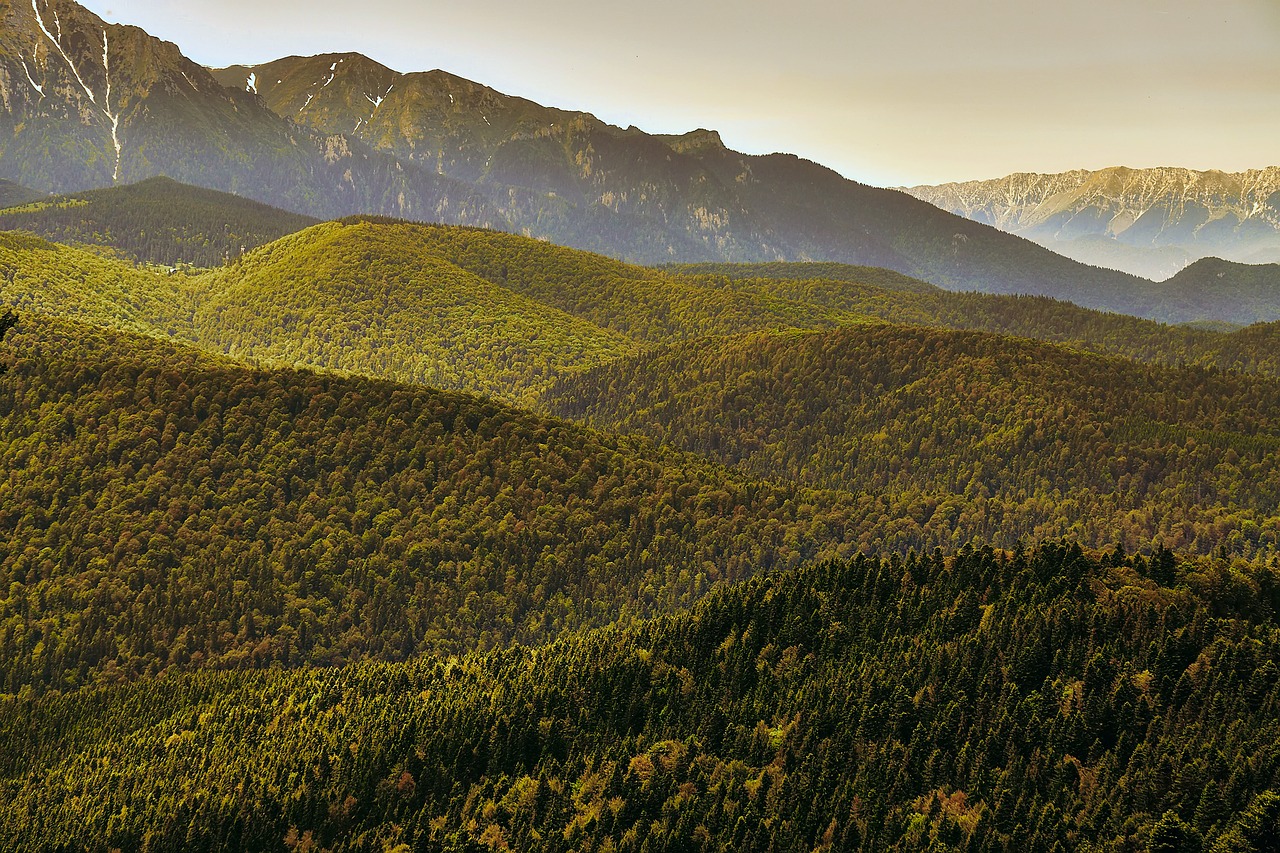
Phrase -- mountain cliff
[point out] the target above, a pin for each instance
(1150, 222)
(89, 104)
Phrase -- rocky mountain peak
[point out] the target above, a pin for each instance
(1151, 222)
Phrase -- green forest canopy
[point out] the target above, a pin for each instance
(1041, 701)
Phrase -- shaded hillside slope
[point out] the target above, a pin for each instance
(1254, 289)
(12, 194)
(1042, 701)
(1030, 435)
(157, 221)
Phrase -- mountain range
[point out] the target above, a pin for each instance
(338, 134)
(326, 528)
(1149, 222)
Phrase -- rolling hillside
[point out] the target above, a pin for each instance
(399, 301)
(157, 221)
(985, 429)
(168, 510)
(390, 464)
(377, 300)
(1042, 700)
(58, 281)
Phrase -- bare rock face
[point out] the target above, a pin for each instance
(1151, 222)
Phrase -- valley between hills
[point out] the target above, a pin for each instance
(383, 479)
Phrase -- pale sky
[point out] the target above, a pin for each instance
(889, 92)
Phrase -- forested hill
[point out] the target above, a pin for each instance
(811, 271)
(380, 300)
(157, 221)
(1039, 702)
(14, 194)
(493, 313)
(1025, 435)
(92, 104)
(571, 178)
(206, 514)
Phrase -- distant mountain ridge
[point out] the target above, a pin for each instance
(1150, 222)
(339, 134)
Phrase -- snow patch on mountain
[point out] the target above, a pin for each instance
(30, 79)
(57, 42)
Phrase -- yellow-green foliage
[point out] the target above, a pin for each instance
(203, 513)
(59, 281)
(375, 299)
(1032, 436)
(642, 303)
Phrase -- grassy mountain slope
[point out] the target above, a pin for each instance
(1043, 701)
(157, 221)
(882, 295)
(376, 300)
(1035, 436)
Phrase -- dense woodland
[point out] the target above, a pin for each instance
(1044, 439)
(164, 509)
(378, 301)
(157, 221)
(1042, 701)
(247, 605)
(483, 311)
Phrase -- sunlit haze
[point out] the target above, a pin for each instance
(888, 93)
